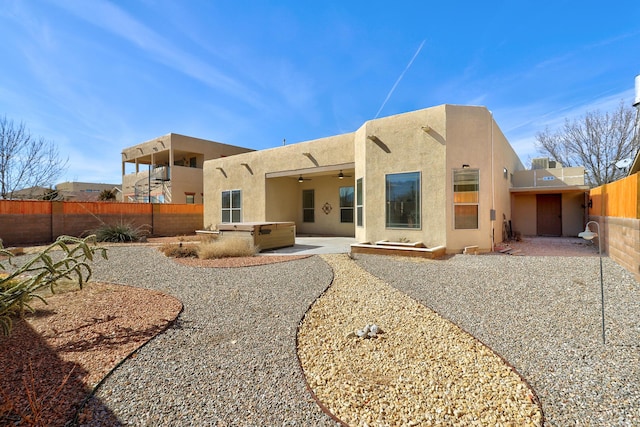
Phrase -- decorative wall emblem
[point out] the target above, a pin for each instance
(326, 208)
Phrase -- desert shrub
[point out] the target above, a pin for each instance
(19, 286)
(227, 247)
(119, 232)
(179, 250)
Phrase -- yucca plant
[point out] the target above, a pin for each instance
(119, 232)
(20, 285)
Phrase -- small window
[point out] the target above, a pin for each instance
(346, 204)
(190, 198)
(466, 198)
(192, 162)
(359, 203)
(231, 206)
(308, 213)
(403, 200)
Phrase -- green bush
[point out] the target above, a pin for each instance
(19, 286)
(119, 233)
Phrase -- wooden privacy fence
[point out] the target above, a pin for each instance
(619, 199)
(27, 221)
(616, 208)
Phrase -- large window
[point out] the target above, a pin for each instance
(466, 190)
(359, 204)
(231, 206)
(403, 200)
(346, 204)
(308, 202)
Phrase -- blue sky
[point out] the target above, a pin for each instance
(96, 76)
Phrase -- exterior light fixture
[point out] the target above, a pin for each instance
(587, 234)
(465, 166)
(426, 128)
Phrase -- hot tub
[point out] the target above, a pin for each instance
(264, 235)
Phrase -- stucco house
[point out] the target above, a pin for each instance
(441, 176)
(168, 169)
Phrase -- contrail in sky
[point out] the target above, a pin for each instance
(400, 78)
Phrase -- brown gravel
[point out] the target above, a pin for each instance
(63, 350)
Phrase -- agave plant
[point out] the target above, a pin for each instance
(20, 285)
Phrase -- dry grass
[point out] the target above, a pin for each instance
(228, 247)
(179, 250)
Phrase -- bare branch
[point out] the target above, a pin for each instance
(26, 161)
(596, 141)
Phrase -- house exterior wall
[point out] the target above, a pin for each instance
(274, 172)
(554, 177)
(403, 147)
(433, 142)
(524, 219)
(474, 139)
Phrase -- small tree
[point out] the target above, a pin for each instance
(107, 195)
(20, 286)
(26, 161)
(596, 141)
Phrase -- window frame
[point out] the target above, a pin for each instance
(416, 224)
(306, 210)
(469, 203)
(359, 202)
(232, 213)
(345, 209)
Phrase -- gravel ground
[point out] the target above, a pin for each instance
(231, 358)
(422, 370)
(542, 314)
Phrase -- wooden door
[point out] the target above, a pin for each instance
(549, 214)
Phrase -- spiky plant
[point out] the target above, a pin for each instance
(20, 285)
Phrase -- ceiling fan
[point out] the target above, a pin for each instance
(342, 175)
(301, 179)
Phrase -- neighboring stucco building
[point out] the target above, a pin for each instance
(168, 169)
(441, 176)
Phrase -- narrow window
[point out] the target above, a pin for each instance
(359, 202)
(403, 200)
(346, 204)
(231, 206)
(466, 190)
(308, 213)
(190, 198)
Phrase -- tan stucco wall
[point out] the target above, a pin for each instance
(573, 214)
(557, 177)
(524, 214)
(404, 147)
(284, 165)
(473, 138)
(433, 141)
